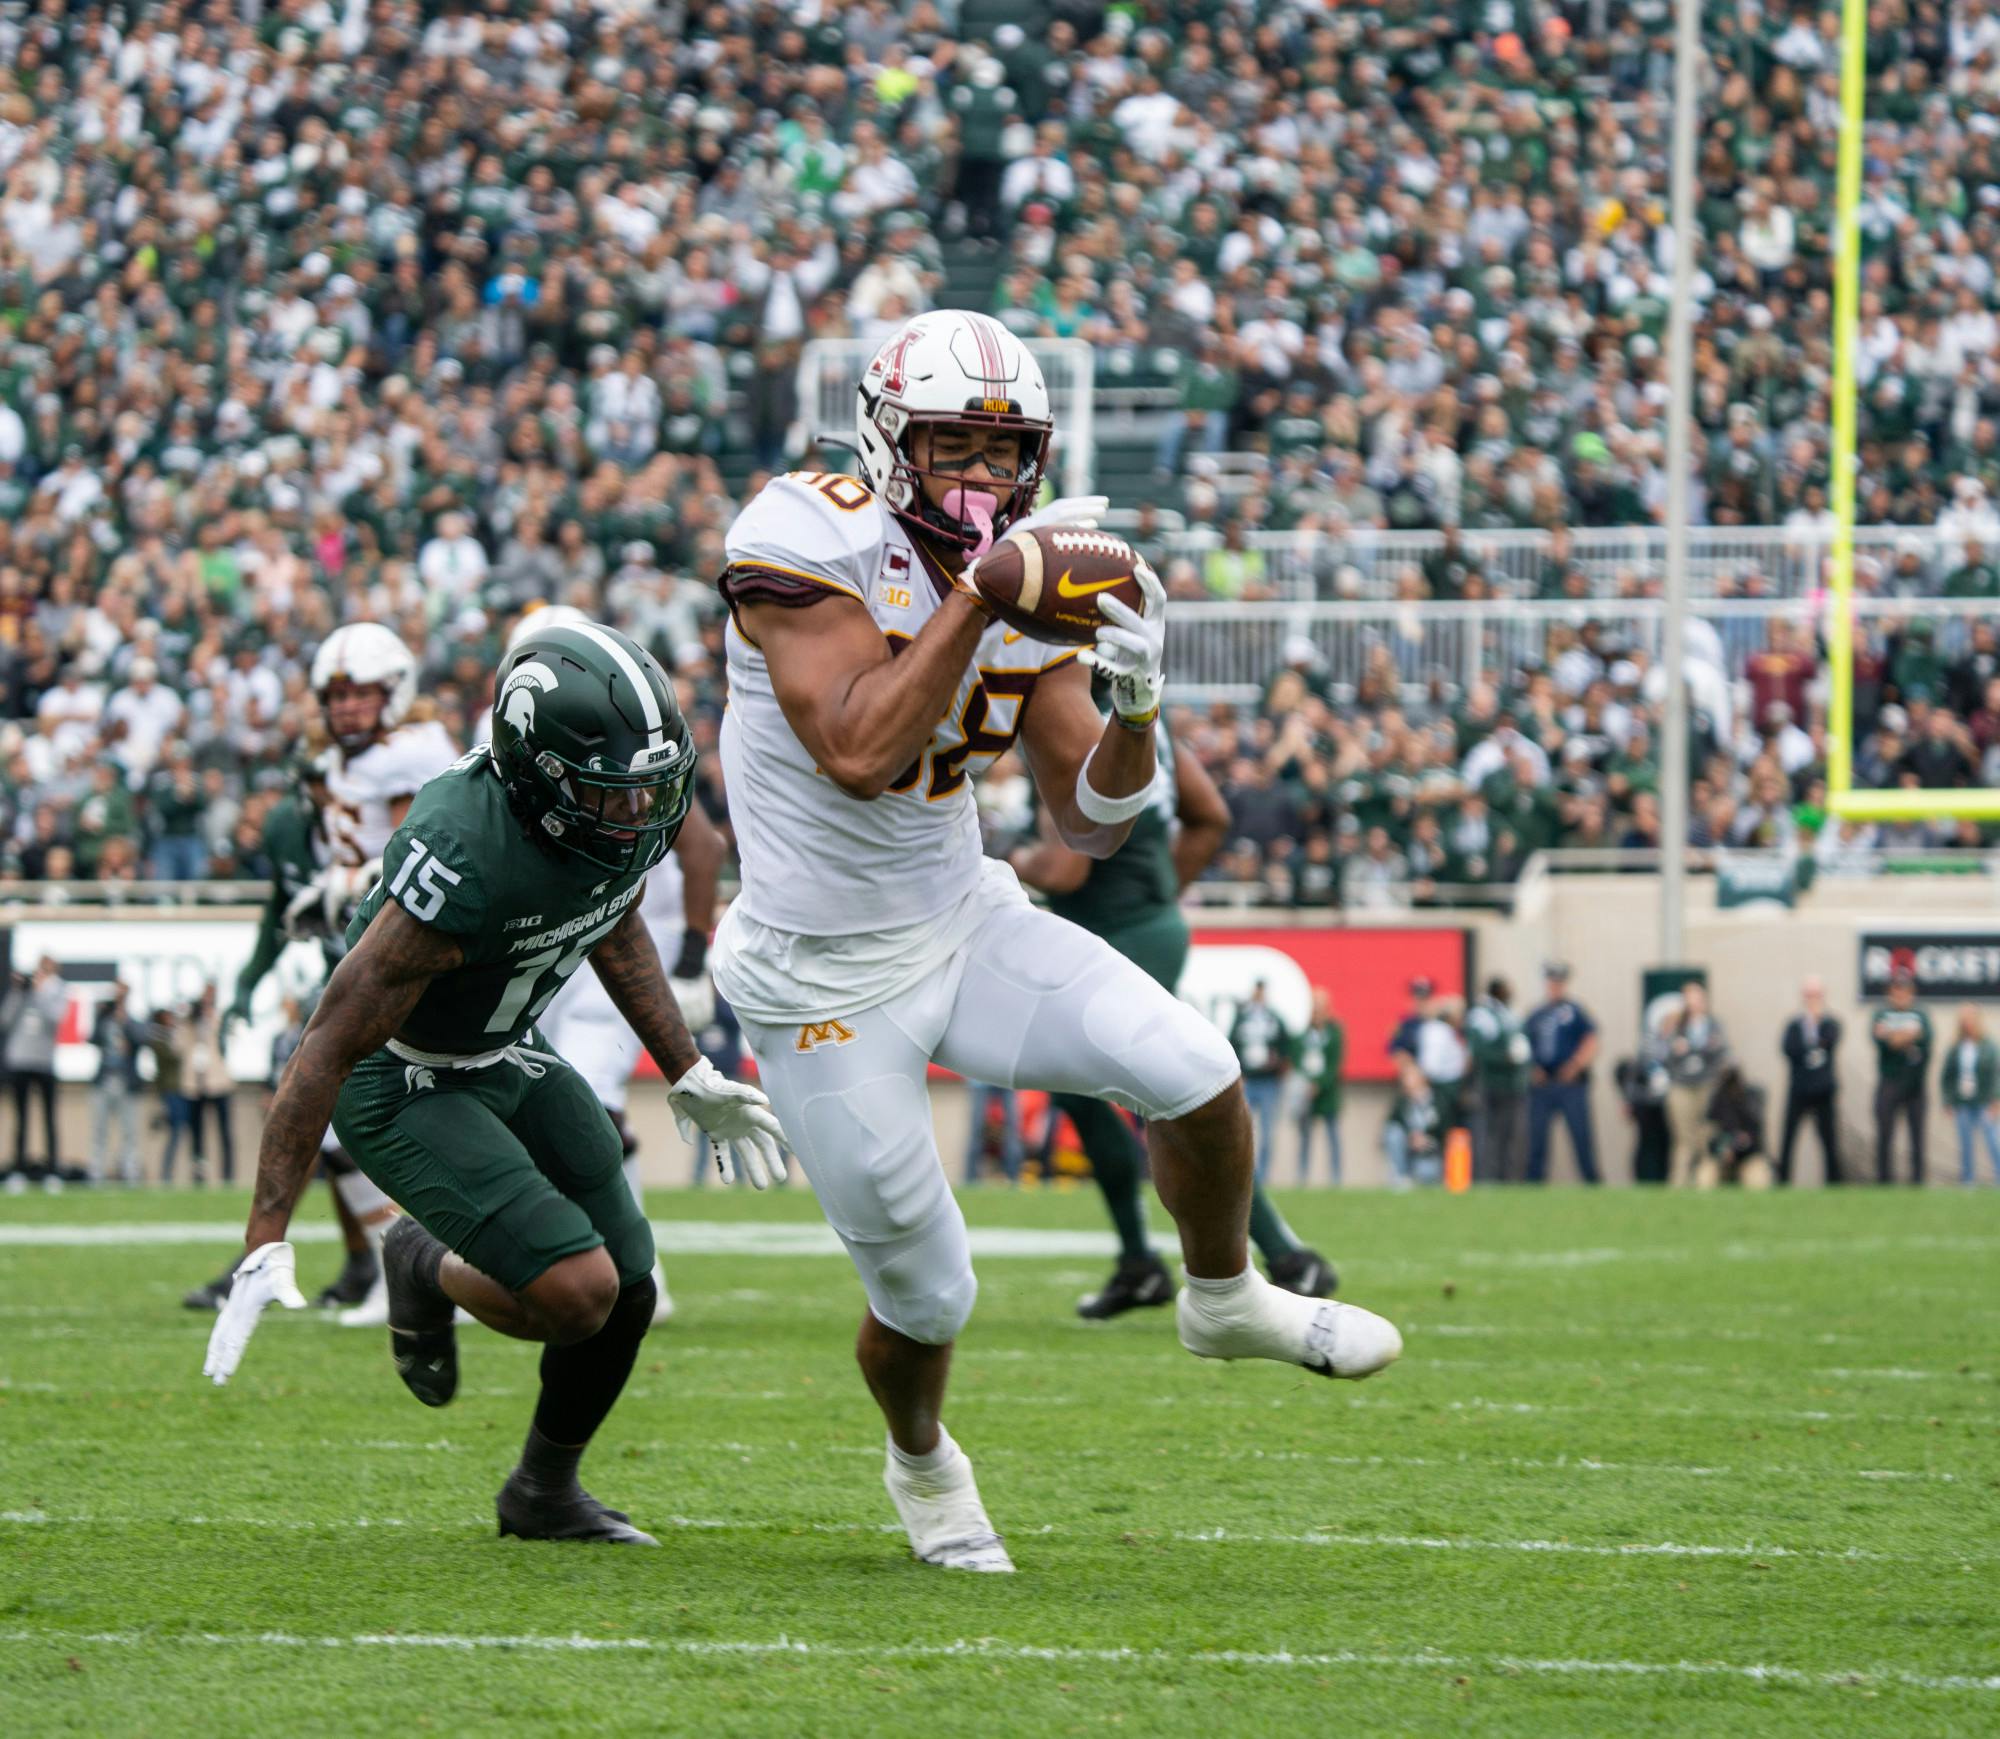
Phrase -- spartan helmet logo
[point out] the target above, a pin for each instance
(416, 1079)
(517, 699)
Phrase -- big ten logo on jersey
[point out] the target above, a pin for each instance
(894, 590)
(815, 1033)
(984, 718)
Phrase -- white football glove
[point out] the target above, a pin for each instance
(736, 1118)
(1080, 511)
(1131, 648)
(696, 996)
(269, 1274)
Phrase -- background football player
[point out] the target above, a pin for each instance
(1132, 900)
(381, 755)
(517, 865)
(583, 1025)
(296, 841)
(867, 684)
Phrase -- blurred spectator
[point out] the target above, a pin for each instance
(405, 316)
(1429, 1037)
(1263, 1049)
(164, 1038)
(1413, 1137)
(1971, 1088)
(1500, 1074)
(1734, 1115)
(1642, 1084)
(1562, 1042)
(995, 1126)
(114, 1095)
(206, 1082)
(1697, 1053)
(1810, 1041)
(1902, 1035)
(32, 1016)
(1321, 1051)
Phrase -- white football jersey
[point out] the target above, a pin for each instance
(361, 788)
(817, 862)
(663, 911)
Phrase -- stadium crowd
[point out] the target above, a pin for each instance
(315, 311)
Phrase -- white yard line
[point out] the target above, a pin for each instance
(1186, 1536)
(674, 1237)
(1561, 1464)
(989, 1649)
(813, 1238)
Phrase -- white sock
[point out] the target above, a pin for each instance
(936, 1461)
(1219, 1290)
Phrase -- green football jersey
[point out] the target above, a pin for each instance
(1138, 881)
(288, 843)
(1902, 1066)
(527, 915)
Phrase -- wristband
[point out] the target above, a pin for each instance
(1107, 811)
(694, 954)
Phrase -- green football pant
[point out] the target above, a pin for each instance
(514, 1165)
(1117, 1160)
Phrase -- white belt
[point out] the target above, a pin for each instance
(530, 1062)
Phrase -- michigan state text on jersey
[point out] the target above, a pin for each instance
(521, 862)
(868, 683)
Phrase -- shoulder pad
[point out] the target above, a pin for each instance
(429, 872)
(404, 761)
(806, 533)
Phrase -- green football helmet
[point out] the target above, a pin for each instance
(589, 742)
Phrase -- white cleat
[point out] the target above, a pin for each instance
(1262, 1321)
(372, 1311)
(942, 1513)
(663, 1305)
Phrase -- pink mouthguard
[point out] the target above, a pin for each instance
(977, 507)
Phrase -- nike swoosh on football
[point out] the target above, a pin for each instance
(1064, 589)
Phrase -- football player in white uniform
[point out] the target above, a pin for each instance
(365, 680)
(582, 1025)
(867, 684)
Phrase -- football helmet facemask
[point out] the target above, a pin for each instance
(957, 369)
(589, 742)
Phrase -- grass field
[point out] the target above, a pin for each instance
(1702, 1465)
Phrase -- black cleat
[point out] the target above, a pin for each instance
(528, 1512)
(211, 1294)
(1305, 1272)
(1134, 1285)
(353, 1283)
(421, 1336)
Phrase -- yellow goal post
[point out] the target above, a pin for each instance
(1843, 799)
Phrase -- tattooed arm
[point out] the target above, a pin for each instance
(369, 995)
(628, 965)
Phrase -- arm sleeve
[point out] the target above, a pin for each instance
(270, 944)
(805, 537)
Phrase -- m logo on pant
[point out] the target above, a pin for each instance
(823, 1032)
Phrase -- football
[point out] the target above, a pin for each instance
(1046, 583)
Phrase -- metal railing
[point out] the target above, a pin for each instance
(150, 899)
(1229, 652)
(1783, 561)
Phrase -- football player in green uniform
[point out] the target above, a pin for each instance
(1132, 900)
(296, 842)
(511, 869)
